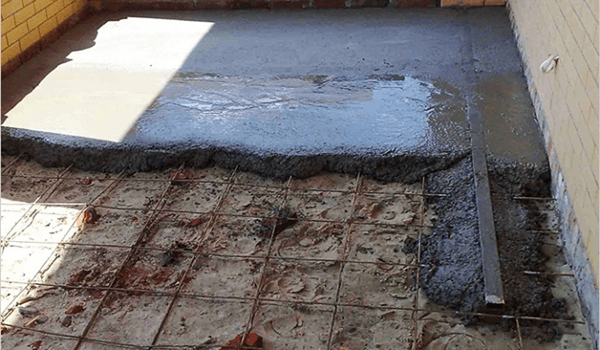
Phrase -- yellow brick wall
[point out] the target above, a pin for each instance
(568, 96)
(24, 22)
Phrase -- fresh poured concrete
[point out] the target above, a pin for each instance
(377, 91)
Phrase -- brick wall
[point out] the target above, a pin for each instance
(566, 101)
(29, 24)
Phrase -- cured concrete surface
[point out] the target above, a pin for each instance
(280, 93)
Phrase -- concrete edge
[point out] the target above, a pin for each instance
(576, 252)
(53, 150)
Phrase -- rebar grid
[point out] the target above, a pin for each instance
(227, 346)
(9, 165)
(263, 274)
(209, 297)
(348, 228)
(256, 301)
(415, 313)
(362, 191)
(259, 217)
(307, 189)
(246, 184)
(196, 255)
(139, 242)
(151, 247)
(253, 257)
(47, 194)
(519, 336)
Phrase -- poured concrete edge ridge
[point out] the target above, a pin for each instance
(53, 150)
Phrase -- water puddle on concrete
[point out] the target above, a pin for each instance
(308, 113)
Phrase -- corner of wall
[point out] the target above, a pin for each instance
(28, 27)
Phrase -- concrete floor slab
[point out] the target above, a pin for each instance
(306, 90)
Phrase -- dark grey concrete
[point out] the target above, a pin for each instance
(293, 93)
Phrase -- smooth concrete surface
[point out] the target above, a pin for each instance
(99, 93)
(370, 90)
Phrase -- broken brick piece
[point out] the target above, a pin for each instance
(78, 277)
(195, 222)
(85, 181)
(75, 309)
(88, 216)
(179, 176)
(35, 345)
(179, 179)
(253, 340)
(233, 343)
